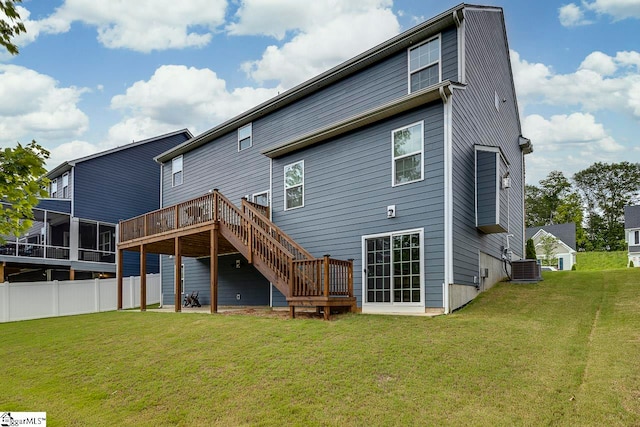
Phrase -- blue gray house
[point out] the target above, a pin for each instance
(392, 182)
(632, 233)
(73, 235)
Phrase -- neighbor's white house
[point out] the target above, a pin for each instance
(632, 234)
(565, 247)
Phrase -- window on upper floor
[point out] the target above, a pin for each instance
(176, 171)
(636, 237)
(244, 137)
(294, 185)
(65, 185)
(424, 65)
(53, 190)
(408, 153)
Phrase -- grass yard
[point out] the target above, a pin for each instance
(565, 351)
(601, 260)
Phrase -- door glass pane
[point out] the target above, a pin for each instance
(378, 266)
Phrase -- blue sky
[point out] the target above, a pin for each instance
(92, 75)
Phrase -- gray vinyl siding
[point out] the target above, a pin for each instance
(59, 193)
(348, 188)
(449, 54)
(476, 121)
(486, 187)
(246, 281)
(218, 164)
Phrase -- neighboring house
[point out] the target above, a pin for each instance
(632, 233)
(406, 162)
(74, 231)
(565, 248)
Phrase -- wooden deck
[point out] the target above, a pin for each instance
(211, 225)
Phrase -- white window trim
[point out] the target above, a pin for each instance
(411, 72)
(393, 307)
(173, 171)
(53, 191)
(393, 158)
(267, 192)
(284, 176)
(65, 187)
(250, 126)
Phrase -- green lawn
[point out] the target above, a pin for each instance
(601, 260)
(565, 351)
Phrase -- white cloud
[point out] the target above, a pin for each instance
(571, 15)
(143, 25)
(566, 142)
(321, 47)
(618, 9)
(175, 97)
(38, 108)
(70, 151)
(600, 63)
(290, 15)
(589, 88)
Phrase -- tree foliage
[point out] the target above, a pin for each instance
(530, 250)
(10, 25)
(607, 189)
(544, 202)
(548, 246)
(21, 183)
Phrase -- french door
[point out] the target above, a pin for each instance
(393, 268)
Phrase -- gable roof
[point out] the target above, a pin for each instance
(564, 232)
(66, 166)
(632, 216)
(347, 68)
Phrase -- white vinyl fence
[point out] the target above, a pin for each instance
(34, 300)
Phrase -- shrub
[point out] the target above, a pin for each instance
(631, 264)
(530, 250)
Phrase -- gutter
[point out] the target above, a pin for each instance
(405, 103)
(339, 72)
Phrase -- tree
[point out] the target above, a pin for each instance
(548, 246)
(21, 183)
(607, 189)
(542, 203)
(530, 250)
(10, 25)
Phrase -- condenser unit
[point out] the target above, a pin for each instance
(525, 270)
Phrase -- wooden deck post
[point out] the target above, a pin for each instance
(2, 271)
(178, 273)
(213, 268)
(326, 275)
(72, 274)
(119, 277)
(143, 278)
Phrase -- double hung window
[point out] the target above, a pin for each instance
(408, 153)
(176, 171)
(244, 137)
(294, 185)
(424, 65)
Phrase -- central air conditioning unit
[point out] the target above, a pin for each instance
(525, 270)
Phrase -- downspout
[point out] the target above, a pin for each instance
(160, 256)
(447, 100)
(271, 218)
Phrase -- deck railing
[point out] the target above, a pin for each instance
(330, 277)
(296, 268)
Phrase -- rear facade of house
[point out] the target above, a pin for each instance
(407, 159)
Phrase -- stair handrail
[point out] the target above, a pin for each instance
(267, 225)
